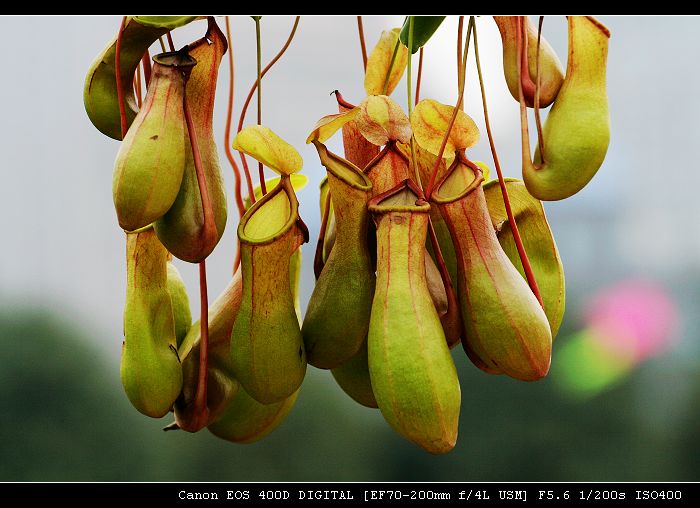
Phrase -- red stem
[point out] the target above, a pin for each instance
(248, 178)
(433, 175)
(420, 75)
(118, 74)
(200, 401)
(170, 42)
(250, 97)
(446, 137)
(227, 129)
(137, 86)
(209, 229)
(431, 183)
(146, 64)
(361, 31)
(228, 142)
(529, 274)
(261, 176)
(444, 272)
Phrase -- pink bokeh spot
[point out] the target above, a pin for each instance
(635, 318)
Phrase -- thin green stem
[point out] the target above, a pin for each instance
(162, 44)
(391, 66)
(249, 97)
(261, 172)
(529, 274)
(442, 267)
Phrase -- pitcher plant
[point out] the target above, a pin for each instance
(418, 248)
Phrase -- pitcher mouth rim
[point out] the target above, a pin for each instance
(478, 180)
(283, 186)
(420, 206)
(179, 59)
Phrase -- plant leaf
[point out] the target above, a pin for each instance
(382, 120)
(267, 147)
(379, 61)
(423, 29)
(429, 122)
(329, 125)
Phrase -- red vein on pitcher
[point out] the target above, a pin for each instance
(527, 267)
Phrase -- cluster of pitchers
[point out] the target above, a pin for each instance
(405, 269)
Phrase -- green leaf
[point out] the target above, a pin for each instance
(423, 29)
(169, 22)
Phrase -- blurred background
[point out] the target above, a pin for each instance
(622, 401)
